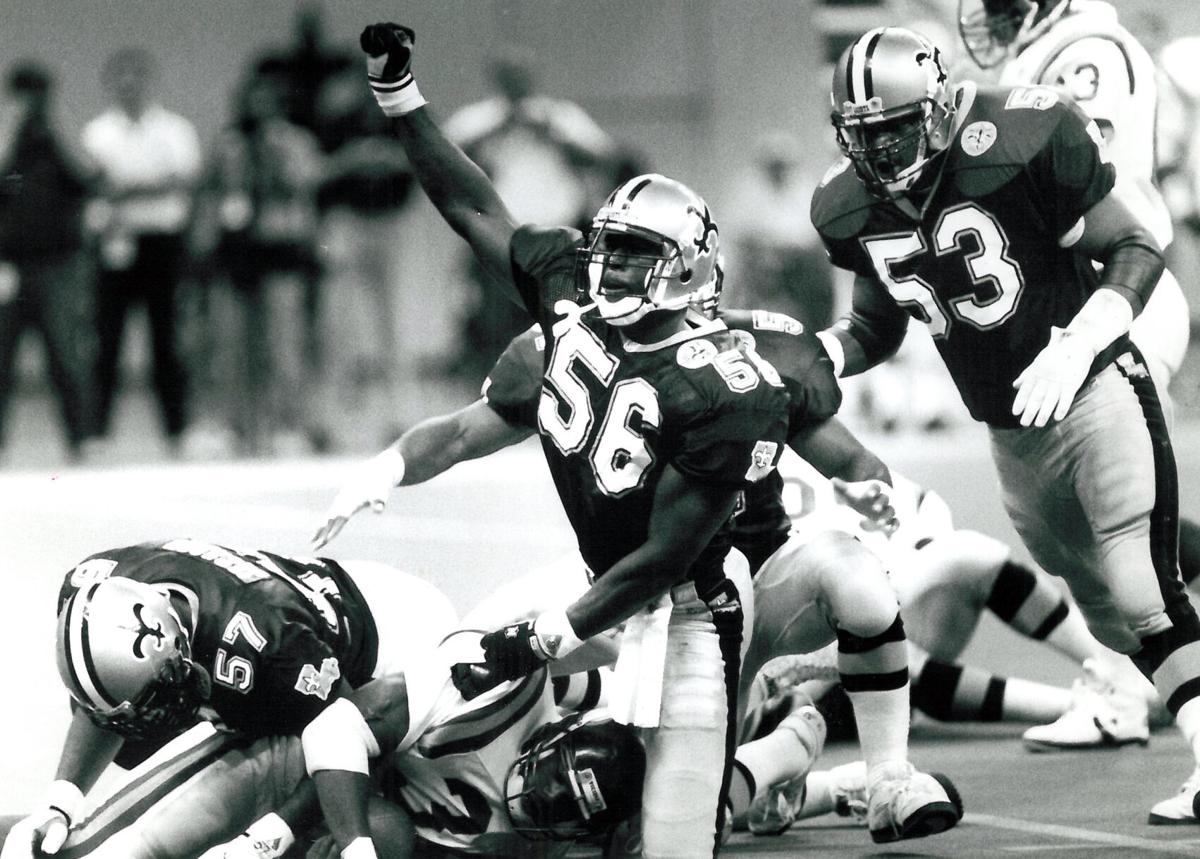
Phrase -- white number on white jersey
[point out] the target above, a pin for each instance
(996, 277)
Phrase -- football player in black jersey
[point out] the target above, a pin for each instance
(650, 427)
(980, 212)
(811, 587)
(210, 658)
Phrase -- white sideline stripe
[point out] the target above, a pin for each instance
(1176, 848)
(280, 518)
(520, 465)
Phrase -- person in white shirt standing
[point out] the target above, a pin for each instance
(1080, 48)
(149, 160)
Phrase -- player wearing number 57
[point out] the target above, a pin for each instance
(201, 665)
(650, 426)
(980, 211)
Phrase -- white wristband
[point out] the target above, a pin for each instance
(339, 738)
(1104, 317)
(65, 797)
(555, 634)
(391, 462)
(360, 848)
(397, 97)
(270, 836)
(833, 347)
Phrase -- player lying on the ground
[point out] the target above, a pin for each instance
(490, 774)
(650, 439)
(808, 592)
(156, 637)
(945, 578)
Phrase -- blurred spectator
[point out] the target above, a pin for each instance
(148, 160)
(550, 163)
(262, 191)
(303, 68)
(44, 276)
(370, 316)
(776, 258)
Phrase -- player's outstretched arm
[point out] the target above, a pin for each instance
(87, 750)
(456, 186)
(423, 452)
(861, 479)
(685, 517)
(338, 746)
(869, 334)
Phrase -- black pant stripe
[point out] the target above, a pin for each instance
(729, 624)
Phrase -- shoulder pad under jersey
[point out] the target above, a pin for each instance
(841, 204)
(1000, 131)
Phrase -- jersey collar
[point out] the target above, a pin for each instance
(706, 327)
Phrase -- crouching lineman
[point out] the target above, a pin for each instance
(221, 655)
(810, 589)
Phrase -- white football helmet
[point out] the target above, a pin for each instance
(892, 107)
(125, 656)
(652, 246)
(991, 28)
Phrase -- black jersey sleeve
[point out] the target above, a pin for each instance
(514, 385)
(1071, 169)
(814, 392)
(544, 267)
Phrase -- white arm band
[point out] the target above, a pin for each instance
(390, 462)
(397, 98)
(360, 848)
(1103, 318)
(270, 835)
(65, 797)
(835, 350)
(339, 739)
(555, 634)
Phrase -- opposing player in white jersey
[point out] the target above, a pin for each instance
(1081, 47)
(946, 577)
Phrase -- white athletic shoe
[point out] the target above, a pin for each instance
(906, 803)
(1181, 808)
(1101, 715)
(775, 811)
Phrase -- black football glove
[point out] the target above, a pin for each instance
(508, 654)
(389, 50)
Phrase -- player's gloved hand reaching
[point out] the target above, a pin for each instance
(1047, 387)
(872, 500)
(44, 831)
(370, 486)
(515, 651)
(389, 50)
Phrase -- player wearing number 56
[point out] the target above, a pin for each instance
(650, 426)
(981, 212)
(201, 661)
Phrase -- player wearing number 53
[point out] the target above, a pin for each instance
(208, 662)
(980, 211)
(650, 427)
